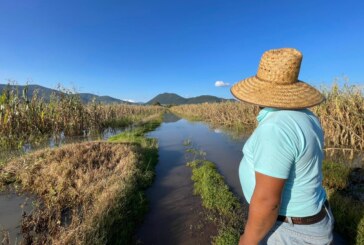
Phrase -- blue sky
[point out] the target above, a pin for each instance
(137, 49)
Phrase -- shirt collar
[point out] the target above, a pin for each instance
(264, 113)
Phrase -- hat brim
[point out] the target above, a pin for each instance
(297, 95)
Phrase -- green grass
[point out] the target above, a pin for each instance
(224, 207)
(117, 123)
(136, 135)
(336, 175)
(349, 216)
(348, 212)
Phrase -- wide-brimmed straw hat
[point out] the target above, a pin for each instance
(276, 83)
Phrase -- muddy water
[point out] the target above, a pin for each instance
(174, 212)
(12, 206)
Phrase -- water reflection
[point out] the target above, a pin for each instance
(170, 118)
(59, 140)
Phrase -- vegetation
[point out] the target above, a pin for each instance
(24, 119)
(224, 208)
(136, 135)
(348, 211)
(89, 193)
(230, 114)
(341, 117)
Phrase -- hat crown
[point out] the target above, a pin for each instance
(280, 66)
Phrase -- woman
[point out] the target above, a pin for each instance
(280, 172)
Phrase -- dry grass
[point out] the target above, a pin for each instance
(91, 193)
(237, 116)
(341, 116)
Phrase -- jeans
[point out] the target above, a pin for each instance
(320, 233)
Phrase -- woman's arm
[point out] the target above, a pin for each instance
(263, 208)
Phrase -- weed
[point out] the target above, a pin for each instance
(224, 207)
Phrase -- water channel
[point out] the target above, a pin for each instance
(173, 210)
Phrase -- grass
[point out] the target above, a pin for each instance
(136, 135)
(89, 193)
(348, 212)
(223, 206)
(336, 176)
(349, 216)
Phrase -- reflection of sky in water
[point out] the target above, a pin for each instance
(217, 130)
(219, 147)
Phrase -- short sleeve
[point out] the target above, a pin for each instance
(274, 151)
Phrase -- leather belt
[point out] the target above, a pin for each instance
(307, 220)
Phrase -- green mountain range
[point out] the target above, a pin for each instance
(46, 92)
(175, 99)
(164, 99)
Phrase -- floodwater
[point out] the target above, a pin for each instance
(175, 216)
(173, 210)
(58, 141)
(12, 206)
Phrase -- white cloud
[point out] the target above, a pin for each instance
(129, 100)
(221, 84)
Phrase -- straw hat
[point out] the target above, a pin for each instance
(276, 83)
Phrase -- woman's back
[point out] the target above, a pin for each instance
(287, 144)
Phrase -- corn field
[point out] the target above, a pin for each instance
(24, 120)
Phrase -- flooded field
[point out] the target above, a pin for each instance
(175, 215)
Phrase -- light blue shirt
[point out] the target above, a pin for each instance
(287, 144)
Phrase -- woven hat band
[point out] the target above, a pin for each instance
(280, 66)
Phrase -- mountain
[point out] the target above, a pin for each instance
(175, 99)
(46, 93)
(167, 98)
(205, 98)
